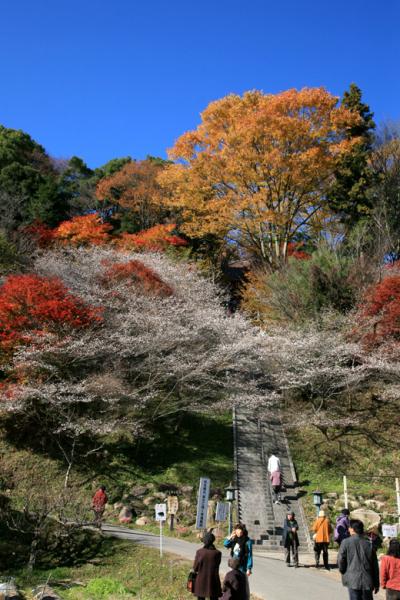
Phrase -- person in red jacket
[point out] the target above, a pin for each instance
(390, 571)
(99, 502)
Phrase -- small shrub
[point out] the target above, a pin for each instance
(155, 239)
(83, 230)
(135, 272)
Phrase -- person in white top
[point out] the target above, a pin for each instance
(274, 464)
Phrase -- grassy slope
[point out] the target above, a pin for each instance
(370, 470)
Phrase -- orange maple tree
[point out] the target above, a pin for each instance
(155, 239)
(135, 187)
(83, 230)
(256, 169)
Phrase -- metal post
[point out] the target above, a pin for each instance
(161, 548)
(346, 499)
(229, 518)
(398, 498)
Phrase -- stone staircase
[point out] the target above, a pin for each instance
(254, 441)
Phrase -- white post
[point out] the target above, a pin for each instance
(161, 539)
(398, 497)
(229, 519)
(346, 499)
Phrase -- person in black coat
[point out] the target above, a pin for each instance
(206, 566)
(291, 539)
(358, 564)
(234, 586)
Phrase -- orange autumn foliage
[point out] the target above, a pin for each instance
(31, 306)
(83, 230)
(155, 239)
(257, 167)
(135, 272)
(135, 187)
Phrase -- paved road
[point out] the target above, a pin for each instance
(271, 579)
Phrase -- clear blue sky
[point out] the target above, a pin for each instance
(101, 79)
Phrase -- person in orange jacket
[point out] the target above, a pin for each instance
(322, 532)
(99, 502)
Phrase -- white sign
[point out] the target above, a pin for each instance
(221, 513)
(161, 512)
(202, 503)
(389, 530)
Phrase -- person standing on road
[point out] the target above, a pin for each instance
(342, 526)
(322, 533)
(358, 564)
(390, 571)
(234, 586)
(206, 566)
(291, 539)
(99, 502)
(241, 548)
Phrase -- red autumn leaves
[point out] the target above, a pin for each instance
(31, 306)
(88, 230)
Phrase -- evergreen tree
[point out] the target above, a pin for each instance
(348, 196)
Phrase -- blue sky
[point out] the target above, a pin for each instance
(102, 79)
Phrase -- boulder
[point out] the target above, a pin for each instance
(149, 500)
(142, 521)
(125, 515)
(139, 490)
(118, 506)
(370, 518)
(375, 504)
(184, 504)
(45, 592)
(332, 495)
(187, 489)
(159, 495)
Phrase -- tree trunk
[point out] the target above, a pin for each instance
(33, 554)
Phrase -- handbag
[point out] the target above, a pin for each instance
(191, 581)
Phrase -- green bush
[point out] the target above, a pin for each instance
(104, 587)
(304, 288)
(8, 255)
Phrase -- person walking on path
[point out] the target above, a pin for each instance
(390, 571)
(234, 586)
(342, 526)
(241, 548)
(274, 464)
(206, 566)
(99, 502)
(322, 533)
(358, 564)
(276, 482)
(291, 539)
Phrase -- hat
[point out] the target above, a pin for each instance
(290, 512)
(321, 513)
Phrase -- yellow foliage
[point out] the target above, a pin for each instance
(257, 167)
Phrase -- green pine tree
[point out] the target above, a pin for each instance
(349, 195)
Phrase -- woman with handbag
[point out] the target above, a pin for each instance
(207, 583)
(322, 533)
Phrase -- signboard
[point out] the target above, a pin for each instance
(389, 530)
(161, 512)
(173, 505)
(202, 503)
(221, 514)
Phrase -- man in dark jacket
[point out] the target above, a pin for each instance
(358, 564)
(235, 585)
